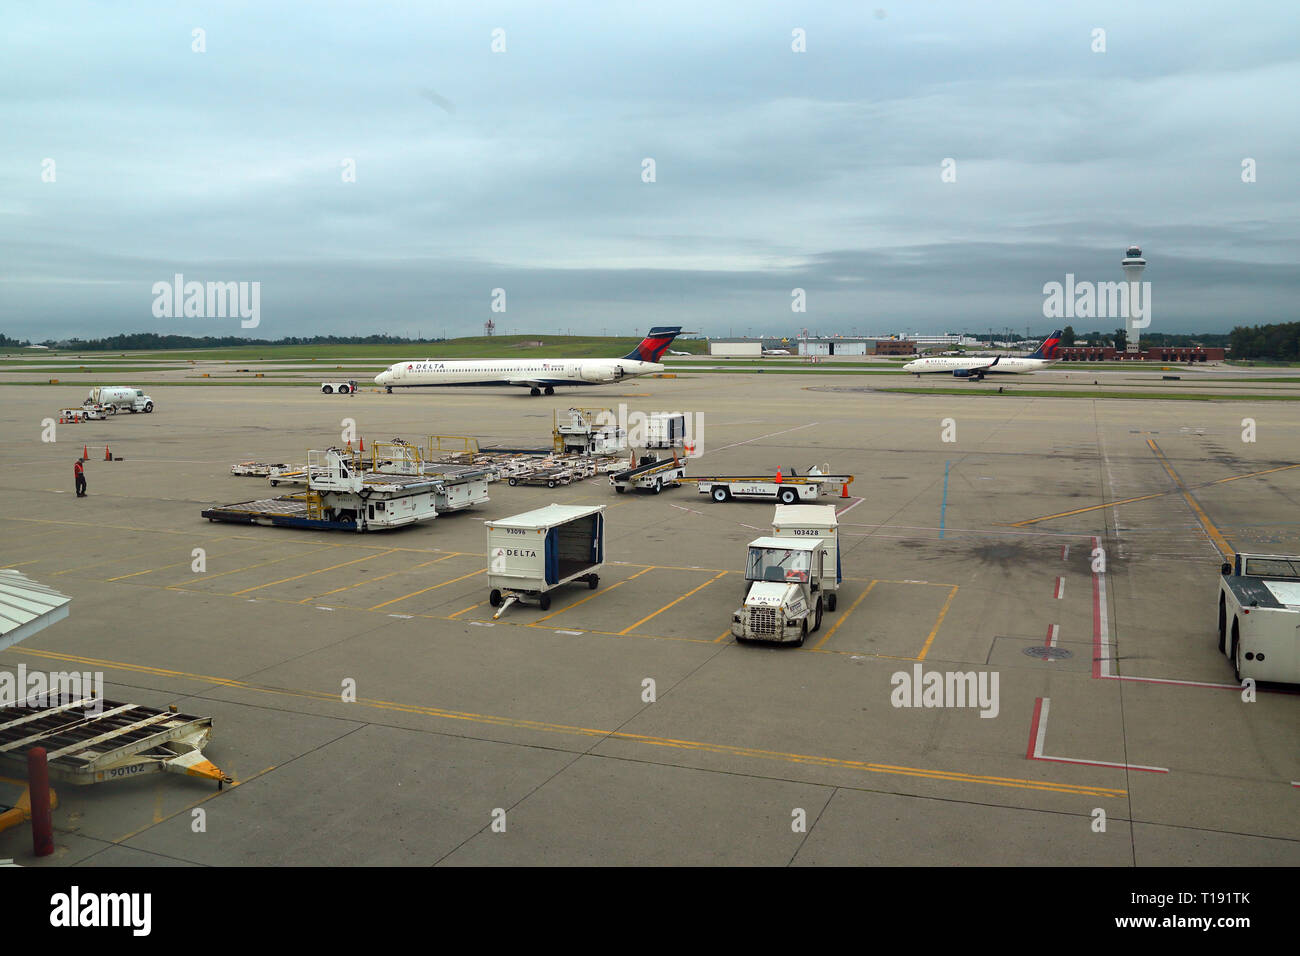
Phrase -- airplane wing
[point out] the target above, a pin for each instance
(530, 382)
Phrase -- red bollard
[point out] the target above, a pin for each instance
(38, 791)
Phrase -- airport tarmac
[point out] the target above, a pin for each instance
(965, 555)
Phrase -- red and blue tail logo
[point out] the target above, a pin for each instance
(653, 345)
(1051, 345)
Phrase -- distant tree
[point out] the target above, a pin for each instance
(1121, 339)
(1067, 336)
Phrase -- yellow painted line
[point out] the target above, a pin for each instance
(1079, 511)
(307, 574)
(731, 750)
(22, 563)
(589, 597)
(633, 627)
(1216, 536)
(843, 617)
(380, 577)
(943, 612)
(1254, 474)
(723, 636)
(423, 590)
(262, 564)
(452, 617)
(176, 564)
(185, 809)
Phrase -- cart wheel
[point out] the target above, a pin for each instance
(592, 581)
(551, 483)
(817, 626)
(721, 494)
(544, 602)
(327, 389)
(274, 483)
(788, 496)
(513, 482)
(659, 485)
(620, 489)
(494, 598)
(830, 601)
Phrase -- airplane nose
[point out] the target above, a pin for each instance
(381, 378)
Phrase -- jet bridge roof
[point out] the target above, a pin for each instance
(27, 607)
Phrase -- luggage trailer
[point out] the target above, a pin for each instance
(90, 740)
(532, 554)
(786, 489)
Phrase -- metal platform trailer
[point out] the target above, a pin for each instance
(90, 740)
(536, 552)
(341, 497)
(1259, 616)
(783, 602)
(787, 489)
(87, 413)
(341, 388)
(588, 431)
(455, 487)
(652, 474)
(262, 469)
(805, 522)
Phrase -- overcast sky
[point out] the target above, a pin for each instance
(522, 169)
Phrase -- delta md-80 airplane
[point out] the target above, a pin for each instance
(539, 375)
(976, 368)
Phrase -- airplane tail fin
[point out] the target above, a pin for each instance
(653, 345)
(1050, 346)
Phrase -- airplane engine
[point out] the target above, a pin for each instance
(961, 373)
(601, 374)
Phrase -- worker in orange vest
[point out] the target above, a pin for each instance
(80, 473)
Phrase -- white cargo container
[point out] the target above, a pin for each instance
(665, 430)
(531, 554)
(814, 521)
(737, 349)
(120, 396)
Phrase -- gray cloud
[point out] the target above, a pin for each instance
(774, 170)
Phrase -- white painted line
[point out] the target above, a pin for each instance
(1060, 588)
(574, 633)
(1038, 737)
(1053, 633)
(320, 608)
(761, 437)
(850, 507)
(402, 617)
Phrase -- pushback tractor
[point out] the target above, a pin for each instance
(1259, 616)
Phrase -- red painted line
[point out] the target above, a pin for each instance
(1060, 588)
(1033, 729)
(1065, 551)
(849, 507)
(1096, 627)
(1053, 632)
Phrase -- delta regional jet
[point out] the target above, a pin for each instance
(538, 375)
(976, 368)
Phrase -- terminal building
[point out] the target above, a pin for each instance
(1171, 353)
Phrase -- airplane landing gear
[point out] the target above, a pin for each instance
(550, 390)
(534, 392)
(388, 389)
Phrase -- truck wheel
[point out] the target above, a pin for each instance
(274, 483)
(1223, 621)
(803, 633)
(659, 485)
(788, 496)
(830, 601)
(721, 494)
(343, 389)
(512, 481)
(1236, 650)
(544, 602)
(327, 389)
(818, 626)
(551, 483)
(592, 582)
(389, 389)
(494, 598)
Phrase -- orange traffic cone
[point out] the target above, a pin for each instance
(108, 456)
(85, 453)
(779, 479)
(362, 449)
(844, 492)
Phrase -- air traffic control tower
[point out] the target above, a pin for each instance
(1133, 264)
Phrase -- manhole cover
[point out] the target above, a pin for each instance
(1044, 653)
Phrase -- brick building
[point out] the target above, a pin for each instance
(1169, 353)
